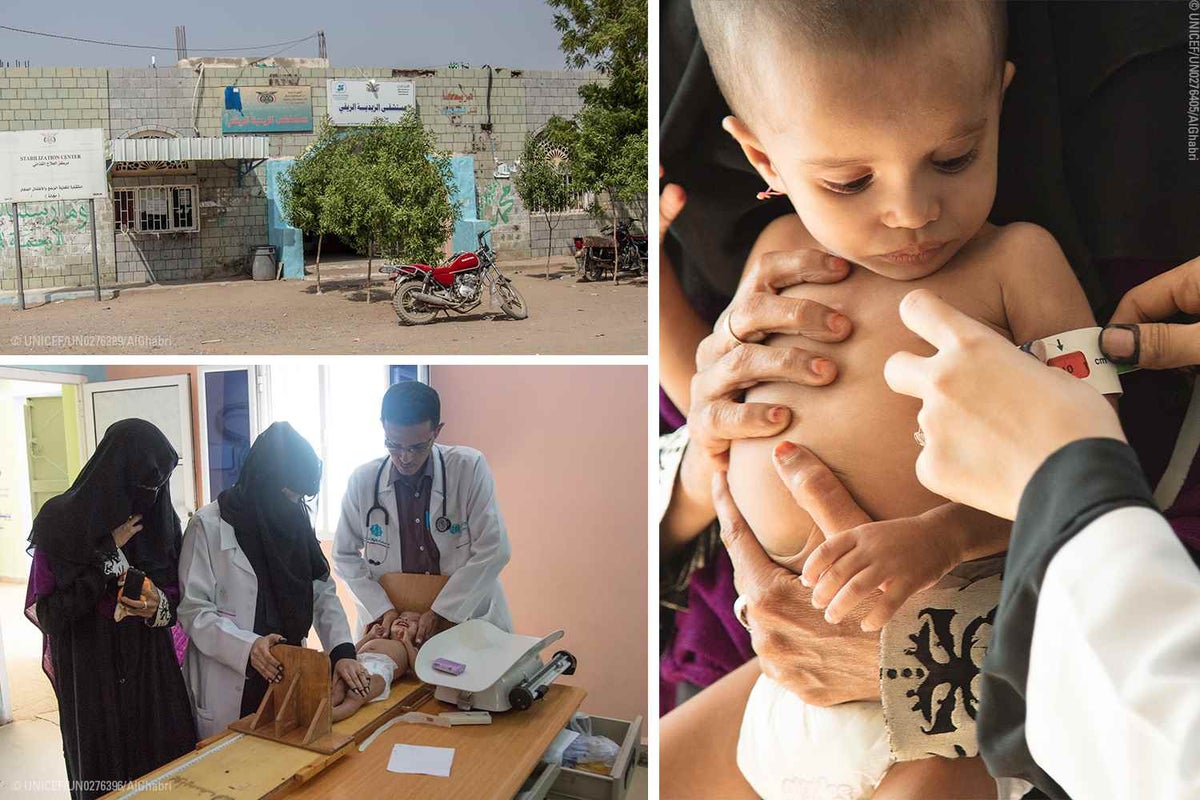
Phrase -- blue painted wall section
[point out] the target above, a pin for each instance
(462, 191)
(91, 372)
(288, 241)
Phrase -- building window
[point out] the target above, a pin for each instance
(155, 209)
(123, 209)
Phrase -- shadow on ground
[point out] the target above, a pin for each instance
(352, 289)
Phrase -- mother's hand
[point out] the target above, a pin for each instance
(731, 358)
(822, 663)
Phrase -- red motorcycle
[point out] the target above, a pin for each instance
(421, 291)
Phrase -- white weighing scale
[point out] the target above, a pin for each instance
(502, 670)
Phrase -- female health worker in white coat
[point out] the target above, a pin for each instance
(451, 526)
(252, 574)
(1089, 689)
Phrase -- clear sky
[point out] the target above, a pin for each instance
(386, 33)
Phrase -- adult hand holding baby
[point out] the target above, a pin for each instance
(822, 664)
(731, 359)
(353, 674)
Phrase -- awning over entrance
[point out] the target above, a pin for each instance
(195, 148)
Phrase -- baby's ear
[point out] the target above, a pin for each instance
(754, 151)
(1010, 69)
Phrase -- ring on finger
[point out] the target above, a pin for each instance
(919, 437)
(729, 328)
(739, 611)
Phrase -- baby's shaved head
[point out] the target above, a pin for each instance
(736, 32)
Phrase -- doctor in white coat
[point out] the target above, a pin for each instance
(252, 574)
(423, 508)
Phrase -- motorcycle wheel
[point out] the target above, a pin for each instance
(511, 301)
(593, 268)
(410, 310)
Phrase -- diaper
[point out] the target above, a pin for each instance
(789, 750)
(381, 665)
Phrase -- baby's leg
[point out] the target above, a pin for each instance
(353, 701)
(338, 691)
(698, 741)
(950, 778)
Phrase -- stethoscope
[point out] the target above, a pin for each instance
(441, 524)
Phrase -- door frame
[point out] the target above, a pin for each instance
(254, 386)
(184, 385)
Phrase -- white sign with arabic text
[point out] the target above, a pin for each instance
(52, 165)
(354, 102)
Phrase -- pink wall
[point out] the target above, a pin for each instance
(567, 446)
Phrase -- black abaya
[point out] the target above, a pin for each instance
(123, 705)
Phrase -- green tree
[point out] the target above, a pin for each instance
(384, 190)
(544, 179)
(303, 187)
(611, 156)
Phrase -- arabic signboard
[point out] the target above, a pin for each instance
(354, 102)
(267, 109)
(52, 165)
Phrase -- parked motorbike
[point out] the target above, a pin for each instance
(421, 291)
(595, 257)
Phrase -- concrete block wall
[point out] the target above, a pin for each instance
(566, 228)
(143, 256)
(56, 237)
(129, 101)
(233, 219)
(53, 97)
(56, 244)
(151, 98)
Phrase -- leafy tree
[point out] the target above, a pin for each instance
(384, 189)
(544, 179)
(303, 186)
(609, 36)
(611, 157)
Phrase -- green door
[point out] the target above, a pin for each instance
(46, 435)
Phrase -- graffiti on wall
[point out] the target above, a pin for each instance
(497, 201)
(58, 227)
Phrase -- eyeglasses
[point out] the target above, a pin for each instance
(412, 449)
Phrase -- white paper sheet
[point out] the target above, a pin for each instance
(411, 759)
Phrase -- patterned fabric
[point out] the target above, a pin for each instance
(930, 656)
(163, 616)
(115, 564)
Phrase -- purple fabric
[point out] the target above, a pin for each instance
(668, 414)
(178, 638)
(41, 583)
(709, 642)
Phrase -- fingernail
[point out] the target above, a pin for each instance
(837, 323)
(804, 582)
(839, 263)
(1119, 343)
(786, 452)
(821, 367)
(777, 414)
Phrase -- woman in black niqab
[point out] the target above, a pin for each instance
(123, 705)
(274, 528)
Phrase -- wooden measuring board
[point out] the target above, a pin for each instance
(296, 711)
(244, 767)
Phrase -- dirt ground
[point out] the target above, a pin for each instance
(244, 317)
